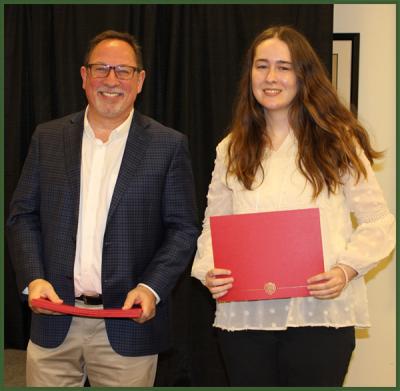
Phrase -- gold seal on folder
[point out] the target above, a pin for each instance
(270, 288)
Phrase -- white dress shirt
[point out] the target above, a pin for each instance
(100, 164)
(284, 188)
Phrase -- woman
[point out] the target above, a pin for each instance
(293, 145)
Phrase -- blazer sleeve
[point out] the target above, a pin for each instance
(23, 226)
(179, 217)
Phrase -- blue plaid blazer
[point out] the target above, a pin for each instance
(150, 234)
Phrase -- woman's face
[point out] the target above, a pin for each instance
(274, 82)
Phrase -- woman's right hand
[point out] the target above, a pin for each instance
(218, 286)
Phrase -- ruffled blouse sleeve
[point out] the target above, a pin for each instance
(374, 237)
(219, 202)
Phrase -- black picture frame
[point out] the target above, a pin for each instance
(354, 56)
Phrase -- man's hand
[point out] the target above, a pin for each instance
(143, 296)
(40, 288)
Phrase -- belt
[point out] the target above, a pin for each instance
(90, 300)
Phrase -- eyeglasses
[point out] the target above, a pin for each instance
(123, 72)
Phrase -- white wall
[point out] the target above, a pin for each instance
(374, 360)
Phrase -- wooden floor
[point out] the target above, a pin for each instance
(14, 368)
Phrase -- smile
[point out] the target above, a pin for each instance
(110, 94)
(271, 92)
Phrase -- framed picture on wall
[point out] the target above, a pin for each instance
(345, 63)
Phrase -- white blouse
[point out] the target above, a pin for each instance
(285, 188)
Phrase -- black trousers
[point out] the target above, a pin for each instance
(298, 356)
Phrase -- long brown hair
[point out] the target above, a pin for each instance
(327, 133)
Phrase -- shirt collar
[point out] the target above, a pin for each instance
(118, 132)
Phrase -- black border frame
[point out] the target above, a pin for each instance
(355, 60)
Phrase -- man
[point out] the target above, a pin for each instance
(103, 217)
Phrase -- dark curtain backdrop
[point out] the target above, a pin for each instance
(192, 56)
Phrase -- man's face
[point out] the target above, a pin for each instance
(111, 99)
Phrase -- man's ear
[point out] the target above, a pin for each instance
(84, 76)
(141, 77)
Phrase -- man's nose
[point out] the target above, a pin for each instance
(112, 77)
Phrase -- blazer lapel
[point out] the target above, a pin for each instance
(73, 151)
(136, 145)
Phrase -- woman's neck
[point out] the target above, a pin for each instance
(277, 129)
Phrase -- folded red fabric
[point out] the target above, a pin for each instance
(94, 313)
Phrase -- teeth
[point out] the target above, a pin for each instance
(110, 93)
(270, 91)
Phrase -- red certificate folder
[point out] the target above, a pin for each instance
(78, 311)
(271, 254)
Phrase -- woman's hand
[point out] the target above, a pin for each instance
(217, 285)
(330, 284)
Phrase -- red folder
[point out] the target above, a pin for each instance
(78, 311)
(271, 254)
